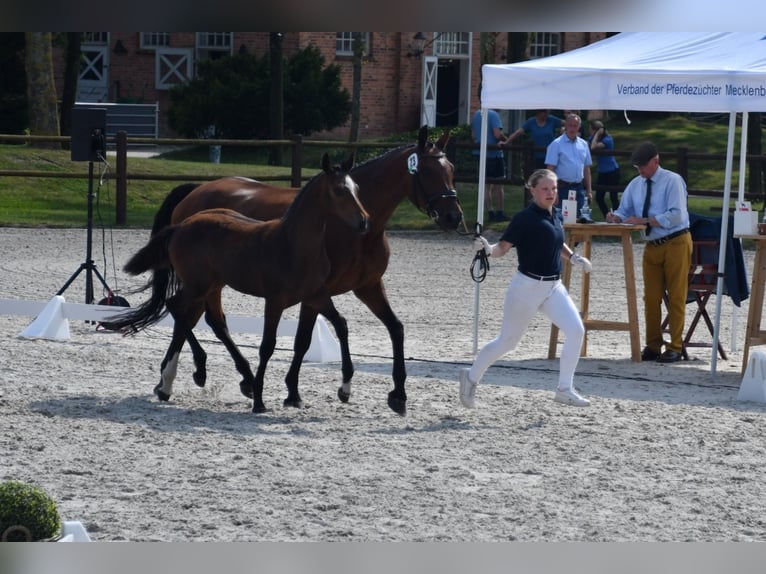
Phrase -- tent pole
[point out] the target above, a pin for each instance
(480, 218)
(741, 196)
(722, 240)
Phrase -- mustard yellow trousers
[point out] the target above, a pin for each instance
(666, 268)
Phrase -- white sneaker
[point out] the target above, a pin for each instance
(467, 390)
(570, 397)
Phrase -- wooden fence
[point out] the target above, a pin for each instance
(520, 158)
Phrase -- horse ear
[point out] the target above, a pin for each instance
(349, 163)
(423, 137)
(326, 166)
(442, 143)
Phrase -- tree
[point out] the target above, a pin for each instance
(276, 101)
(72, 55)
(755, 147)
(41, 90)
(356, 86)
(13, 84)
(232, 94)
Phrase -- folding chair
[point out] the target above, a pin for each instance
(703, 274)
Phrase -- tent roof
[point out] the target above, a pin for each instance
(660, 71)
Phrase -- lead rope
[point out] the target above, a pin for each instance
(480, 263)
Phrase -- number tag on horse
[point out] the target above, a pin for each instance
(412, 163)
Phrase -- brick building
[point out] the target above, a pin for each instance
(408, 79)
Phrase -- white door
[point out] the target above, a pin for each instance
(428, 105)
(93, 82)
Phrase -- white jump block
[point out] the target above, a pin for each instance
(51, 323)
(74, 531)
(753, 386)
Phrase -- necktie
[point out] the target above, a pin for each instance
(647, 199)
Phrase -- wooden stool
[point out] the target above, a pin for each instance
(584, 233)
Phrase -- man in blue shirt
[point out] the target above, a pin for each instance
(569, 157)
(657, 198)
(495, 168)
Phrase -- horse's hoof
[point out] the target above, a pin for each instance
(298, 404)
(162, 395)
(396, 404)
(260, 409)
(246, 389)
(199, 378)
(343, 395)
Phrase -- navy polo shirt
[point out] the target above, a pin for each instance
(538, 236)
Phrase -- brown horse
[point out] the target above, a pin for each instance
(421, 172)
(284, 261)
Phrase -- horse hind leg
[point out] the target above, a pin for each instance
(169, 365)
(217, 321)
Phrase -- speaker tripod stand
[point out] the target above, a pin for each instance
(88, 266)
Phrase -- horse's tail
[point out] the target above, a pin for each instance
(164, 213)
(163, 281)
(152, 257)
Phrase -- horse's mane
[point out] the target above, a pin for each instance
(301, 194)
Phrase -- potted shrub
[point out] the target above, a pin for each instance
(27, 513)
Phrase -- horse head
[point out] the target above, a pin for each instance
(433, 185)
(344, 194)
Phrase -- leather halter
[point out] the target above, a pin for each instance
(429, 201)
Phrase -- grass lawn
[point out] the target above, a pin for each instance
(34, 201)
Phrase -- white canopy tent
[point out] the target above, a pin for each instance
(650, 71)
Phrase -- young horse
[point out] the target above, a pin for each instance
(284, 261)
(421, 172)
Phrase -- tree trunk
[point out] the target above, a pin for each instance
(276, 95)
(41, 90)
(356, 89)
(71, 77)
(755, 147)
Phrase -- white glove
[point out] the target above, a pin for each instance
(480, 243)
(581, 261)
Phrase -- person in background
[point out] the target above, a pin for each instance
(569, 156)
(607, 168)
(542, 128)
(495, 168)
(538, 236)
(657, 198)
(581, 131)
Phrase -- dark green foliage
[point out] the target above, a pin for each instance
(232, 94)
(314, 97)
(13, 84)
(23, 504)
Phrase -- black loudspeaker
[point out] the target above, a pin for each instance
(88, 134)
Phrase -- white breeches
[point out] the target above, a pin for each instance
(523, 298)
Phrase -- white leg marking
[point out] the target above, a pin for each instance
(168, 374)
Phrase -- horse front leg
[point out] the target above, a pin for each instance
(375, 299)
(268, 344)
(301, 343)
(304, 332)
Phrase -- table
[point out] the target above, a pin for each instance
(583, 233)
(753, 333)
